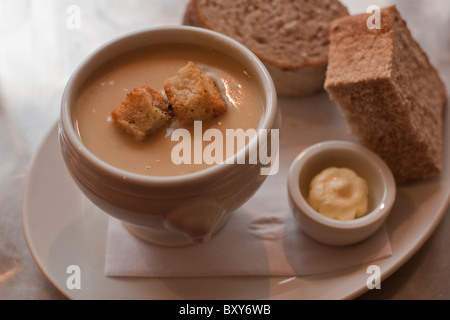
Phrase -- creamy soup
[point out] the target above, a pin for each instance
(108, 87)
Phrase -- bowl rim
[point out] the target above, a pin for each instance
(380, 212)
(269, 117)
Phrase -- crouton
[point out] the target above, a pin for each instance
(193, 95)
(142, 112)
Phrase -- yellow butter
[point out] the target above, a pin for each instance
(339, 193)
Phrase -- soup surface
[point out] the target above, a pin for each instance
(108, 87)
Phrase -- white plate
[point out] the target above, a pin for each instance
(60, 233)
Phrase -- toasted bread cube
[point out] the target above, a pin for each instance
(193, 95)
(142, 112)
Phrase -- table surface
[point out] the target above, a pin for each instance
(42, 42)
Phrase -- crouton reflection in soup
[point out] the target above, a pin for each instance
(108, 87)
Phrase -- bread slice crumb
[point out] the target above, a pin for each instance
(142, 112)
(290, 37)
(193, 95)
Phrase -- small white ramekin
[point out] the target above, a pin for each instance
(366, 164)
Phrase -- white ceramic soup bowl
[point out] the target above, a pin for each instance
(367, 165)
(167, 210)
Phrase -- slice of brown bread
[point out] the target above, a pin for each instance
(290, 37)
(391, 96)
(142, 112)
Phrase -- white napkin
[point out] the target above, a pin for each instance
(261, 238)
